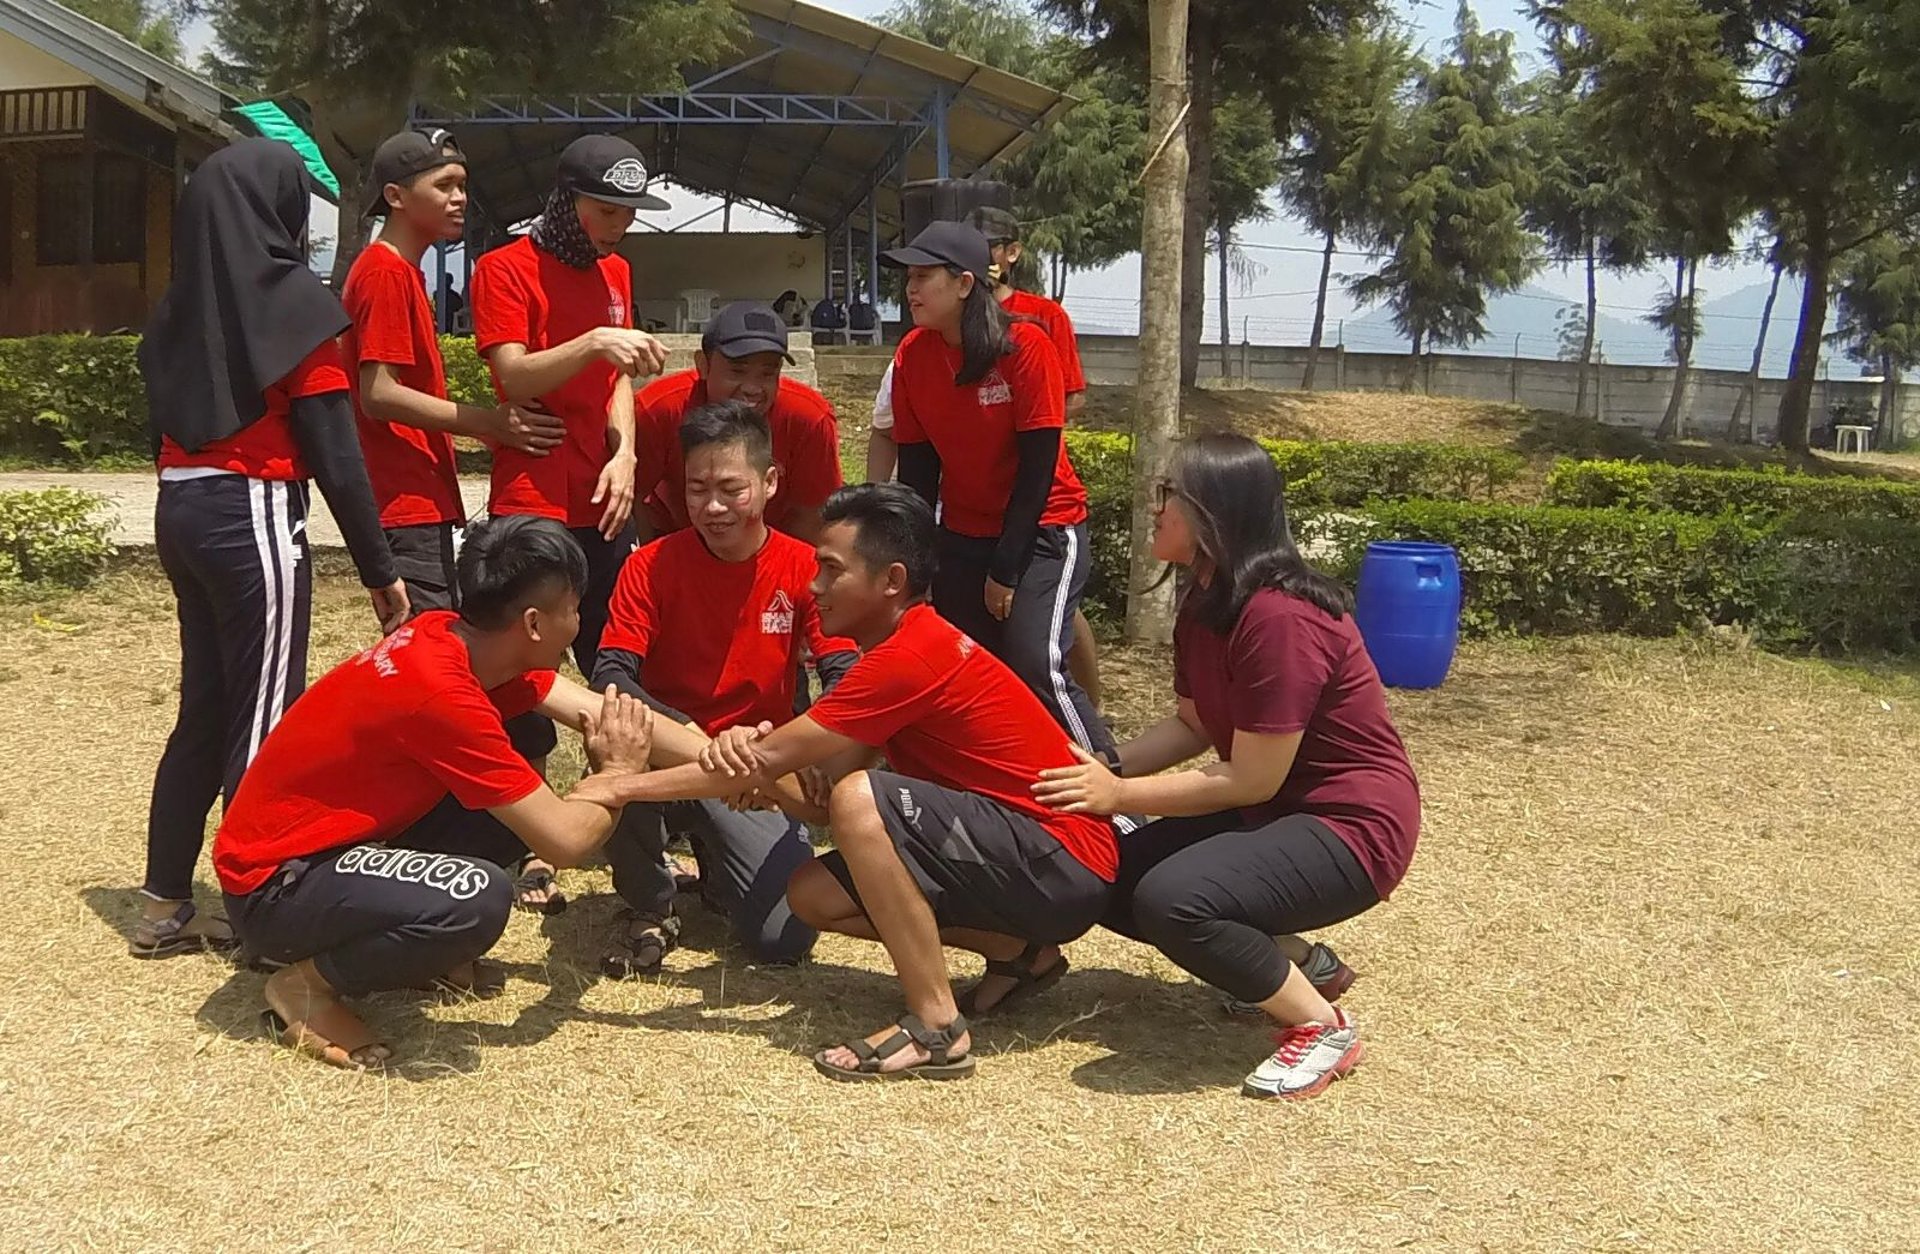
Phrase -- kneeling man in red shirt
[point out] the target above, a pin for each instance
(948, 847)
(364, 848)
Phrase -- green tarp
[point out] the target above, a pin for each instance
(270, 120)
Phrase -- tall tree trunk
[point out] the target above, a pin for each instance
(1682, 350)
(1319, 311)
(1413, 362)
(1193, 273)
(1223, 240)
(1883, 432)
(1157, 422)
(1593, 315)
(354, 230)
(1740, 429)
(1796, 404)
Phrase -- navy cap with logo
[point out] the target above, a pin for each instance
(945, 244)
(744, 328)
(406, 156)
(607, 168)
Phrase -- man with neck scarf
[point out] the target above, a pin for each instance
(246, 401)
(552, 314)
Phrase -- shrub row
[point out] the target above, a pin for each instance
(78, 400)
(1756, 495)
(57, 536)
(1318, 476)
(1836, 583)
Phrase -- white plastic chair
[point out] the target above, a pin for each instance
(696, 308)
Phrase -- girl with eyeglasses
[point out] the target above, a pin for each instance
(1312, 812)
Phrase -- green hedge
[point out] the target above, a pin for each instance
(58, 536)
(1835, 583)
(1318, 476)
(78, 400)
(1756, 495)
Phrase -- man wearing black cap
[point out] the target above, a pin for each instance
(552, 314)
(399, 384)
(740, 358)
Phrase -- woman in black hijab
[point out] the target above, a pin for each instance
(246, 399)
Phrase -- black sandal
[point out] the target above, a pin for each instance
(537, 881)
(163, 938)
(908, 1030)
(636, 954)
(1026, 982)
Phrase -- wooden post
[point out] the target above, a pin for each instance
(1157, 421)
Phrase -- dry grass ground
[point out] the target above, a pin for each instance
(1651, 984)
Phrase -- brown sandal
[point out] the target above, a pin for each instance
(313, 1045)
(910, 1029)
(641, 946)
(163, 938)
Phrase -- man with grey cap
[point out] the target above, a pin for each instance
(553, 316)
(741, 356)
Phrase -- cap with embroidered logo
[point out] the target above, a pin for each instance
(608, 168)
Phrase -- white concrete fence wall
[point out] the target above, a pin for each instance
(1634, 396)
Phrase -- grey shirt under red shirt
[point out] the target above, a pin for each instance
(1289, 666)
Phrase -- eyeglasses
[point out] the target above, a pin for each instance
(1164, 490)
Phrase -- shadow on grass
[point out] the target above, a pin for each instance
(1160, 1038)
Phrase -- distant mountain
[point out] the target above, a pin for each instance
(1729, 325)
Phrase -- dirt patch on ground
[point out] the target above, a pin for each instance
(1650, 984)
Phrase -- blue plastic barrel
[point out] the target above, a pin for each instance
(1407, 606)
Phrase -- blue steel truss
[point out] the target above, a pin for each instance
(691, 109)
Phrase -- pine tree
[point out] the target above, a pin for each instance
(1457, 228)
(1879, 317)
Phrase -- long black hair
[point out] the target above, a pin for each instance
(985, 331)
(1237, 500)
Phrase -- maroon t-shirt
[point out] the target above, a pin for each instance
(1289, 666)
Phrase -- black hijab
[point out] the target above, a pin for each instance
(243, 308)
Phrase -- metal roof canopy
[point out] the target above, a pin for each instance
(820, 116)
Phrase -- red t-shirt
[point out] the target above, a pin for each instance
(266, 449)
(415, 481)
(373, 746)
(806, 447)
(1059, 328)
(974, 428)
(947, 711)
(524, 296)
(720, 641)
(1289, 666)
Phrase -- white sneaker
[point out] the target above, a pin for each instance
(1309, 1058)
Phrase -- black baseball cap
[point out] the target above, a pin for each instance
(744, 328)
(407, 156)
(607, 168)
(999, 226)
(945, 244)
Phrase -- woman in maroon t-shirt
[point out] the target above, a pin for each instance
(1311, 814)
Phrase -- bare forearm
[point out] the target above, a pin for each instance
(620, 420)
(1206, 790)
(1168, 742)
(584, 827)
(395, 402)
(527, 377)
(882, 455)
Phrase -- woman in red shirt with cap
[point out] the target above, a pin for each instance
(979, 407)
(246, 401)
(1310, 815)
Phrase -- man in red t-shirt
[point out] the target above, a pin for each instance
(711, 624)
(362, 851)
(392, 352)
(948, 847)
(553, 316)
(740, 356)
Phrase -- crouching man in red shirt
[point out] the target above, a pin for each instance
(709, 624)
(947, 848)
(342, 856)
